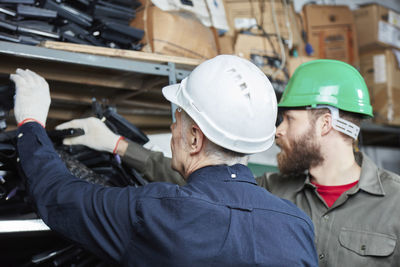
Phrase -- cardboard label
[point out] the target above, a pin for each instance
(333, 43)
(379, 68)
(218, 15)
(394, 18)
(388, 34)
(244, 23)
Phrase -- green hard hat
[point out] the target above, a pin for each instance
(327, 82)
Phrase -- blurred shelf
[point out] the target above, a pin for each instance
(371, 127)
(130, 81)
(379, 135)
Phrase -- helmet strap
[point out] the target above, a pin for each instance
(341, 124)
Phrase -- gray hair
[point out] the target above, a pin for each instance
(219, 154)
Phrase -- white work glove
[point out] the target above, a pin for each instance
(32, 97)
(97, 135)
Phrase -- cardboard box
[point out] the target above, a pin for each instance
(376, 27)
(174, 34)
(259, 50)
(242, 14)
(295, 62)
(225, 45)
(380, 69)
(331, 32)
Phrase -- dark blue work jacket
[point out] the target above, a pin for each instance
(220, 218)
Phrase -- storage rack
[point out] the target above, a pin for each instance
(131, 81)
(140, 65)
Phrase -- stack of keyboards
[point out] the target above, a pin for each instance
(91, 22)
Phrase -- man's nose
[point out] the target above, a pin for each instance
(280, 130)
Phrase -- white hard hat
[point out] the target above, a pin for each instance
(231, 100)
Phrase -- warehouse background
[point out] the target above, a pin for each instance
(110, 58)
(385, 153)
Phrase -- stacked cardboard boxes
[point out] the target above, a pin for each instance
(182, 34)
(263, 32)
(377, 27)
(245, 14)
(378, 31)
(380, 69)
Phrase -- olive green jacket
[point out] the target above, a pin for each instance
(362, 228)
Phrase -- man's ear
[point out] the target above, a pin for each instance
(197, 139)
(326, 123)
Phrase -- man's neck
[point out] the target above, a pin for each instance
(193, 164)
(338, 168)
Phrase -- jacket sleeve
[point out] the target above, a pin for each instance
(154, 166)
(101, 219)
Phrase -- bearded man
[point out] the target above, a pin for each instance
(354, 205)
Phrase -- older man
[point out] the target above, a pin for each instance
(226, 110)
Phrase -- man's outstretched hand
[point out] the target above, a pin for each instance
(97, 135)
(32, 97)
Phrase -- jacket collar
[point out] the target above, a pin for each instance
(222, 173)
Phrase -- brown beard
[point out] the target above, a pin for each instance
(303, 154)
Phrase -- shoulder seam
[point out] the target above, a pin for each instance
(226, 205)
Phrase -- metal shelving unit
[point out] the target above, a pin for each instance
(97, 61)
(131, 81)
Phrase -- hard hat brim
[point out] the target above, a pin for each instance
(170, 92)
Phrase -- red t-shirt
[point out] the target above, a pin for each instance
(332, 192)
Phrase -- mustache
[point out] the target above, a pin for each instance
(279, 143)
